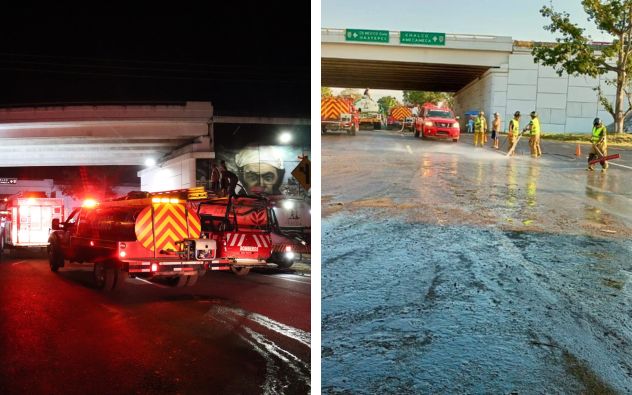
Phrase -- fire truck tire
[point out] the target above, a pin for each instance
(192, 280)
(104, 276)
(377, 125)
(240, 270)
(181, 282)
(323, 130)
(121, 280)
(55, 258)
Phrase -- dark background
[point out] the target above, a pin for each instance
(247, 58)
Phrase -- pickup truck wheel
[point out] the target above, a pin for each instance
(240, 270)
(55, 259)
(191, 280)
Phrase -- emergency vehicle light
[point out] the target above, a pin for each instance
(89, 203)
(164, 200)
(154, 267)
(122, 254)
(288, 248)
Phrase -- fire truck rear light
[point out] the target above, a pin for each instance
(164, 200)
(122, 254)
(288, 248)
(154, 267)
(91, 243)
(122, 246)
(155, 200)
(175, 201)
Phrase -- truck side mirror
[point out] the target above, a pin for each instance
(55, 224)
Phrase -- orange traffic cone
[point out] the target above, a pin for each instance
(578, 151)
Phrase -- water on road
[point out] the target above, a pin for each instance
(449, 269)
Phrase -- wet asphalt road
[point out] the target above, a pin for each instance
(225, 335)
(449, 269)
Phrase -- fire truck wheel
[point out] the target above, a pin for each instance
(182, 281)
(121, 280)
(55, 258)
(240, 270)
(191, 280)
(104, 276)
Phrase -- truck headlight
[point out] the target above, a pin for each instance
(455, 125)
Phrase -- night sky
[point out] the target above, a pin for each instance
(247, 58)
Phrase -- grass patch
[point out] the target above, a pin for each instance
(620, 139)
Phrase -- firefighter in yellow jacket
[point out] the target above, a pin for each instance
(514, 130)
(599, 144)
(480, 128)
(534, 141)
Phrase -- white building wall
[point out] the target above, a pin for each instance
(177, 173)
(565, 104)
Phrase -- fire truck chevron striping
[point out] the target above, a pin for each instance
(332, 108)
(399, 113)
(171, 224)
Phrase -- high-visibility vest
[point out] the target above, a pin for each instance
(535, 127)
(515, 129)
(480, 124)
(597, 132)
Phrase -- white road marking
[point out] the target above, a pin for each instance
(151, 283)
(616, 164)
(281, 276)
(409, 150)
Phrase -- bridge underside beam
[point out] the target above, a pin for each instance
(350, 73)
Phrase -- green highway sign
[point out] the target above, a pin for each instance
(422, 38)
(376, 36)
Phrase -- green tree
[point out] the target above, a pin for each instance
(326, 91)
(353, 93)
(421, 97)
(386, 103)
(575, 54)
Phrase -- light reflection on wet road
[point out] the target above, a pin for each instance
(454, 270)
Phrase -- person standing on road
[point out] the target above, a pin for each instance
(215, 177)
(534, 141)
(599, 145)
(514, 131)
(495, 130)
(224, 181)
(480, 127)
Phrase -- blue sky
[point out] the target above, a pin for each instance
(519, 19)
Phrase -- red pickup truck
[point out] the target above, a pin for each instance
(437, 122)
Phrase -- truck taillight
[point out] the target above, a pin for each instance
(122, 254)
(91, 243)
(154, 267)
(288, 248)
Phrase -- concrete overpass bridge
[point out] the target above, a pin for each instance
(174, 135)
(490, 73)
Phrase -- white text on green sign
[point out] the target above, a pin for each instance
(378, 36)
(422, 38)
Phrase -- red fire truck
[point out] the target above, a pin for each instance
(338, 114)
(163, 235)
(26, 218)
